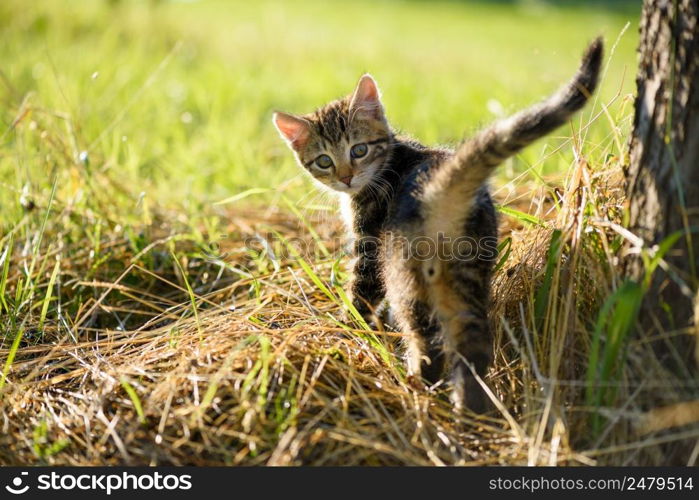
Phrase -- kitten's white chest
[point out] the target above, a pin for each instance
(346, 212)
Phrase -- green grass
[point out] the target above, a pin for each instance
(149, 215)
(171, 101)
(130, 109)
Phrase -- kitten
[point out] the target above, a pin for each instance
(411, 207)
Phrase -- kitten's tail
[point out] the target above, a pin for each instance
(459, 179)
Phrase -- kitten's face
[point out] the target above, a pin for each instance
(344, 144)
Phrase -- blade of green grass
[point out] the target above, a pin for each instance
(307, 268)
(308, 226)
(242, 195)
(370, 337)
(614, 323)
(541, 300)
(525, 218)
(29, 283)
(5, 260)
(11, 356)
(133, 396)
(504, 251)
(49, 292)
(192, 297)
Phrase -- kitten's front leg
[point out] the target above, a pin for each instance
(366, 287)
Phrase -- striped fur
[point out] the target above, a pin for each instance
(401, 198)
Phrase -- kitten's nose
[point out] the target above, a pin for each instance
(347, 180)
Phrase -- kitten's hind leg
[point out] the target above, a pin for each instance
(408, 297)
(424, 344)
(460, 295)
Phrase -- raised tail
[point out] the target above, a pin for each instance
(457, 181)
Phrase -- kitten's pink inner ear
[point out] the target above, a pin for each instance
(293, 129)
(366, 96)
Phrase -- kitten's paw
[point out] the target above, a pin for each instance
(348, 315)
(468, 393)
(415, 381)
(366, 313)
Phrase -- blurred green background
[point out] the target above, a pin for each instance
(168, 103)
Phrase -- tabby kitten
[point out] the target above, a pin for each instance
(400, 195)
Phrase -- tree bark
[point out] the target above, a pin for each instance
(663, 172)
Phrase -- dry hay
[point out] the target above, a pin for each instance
(266, 372)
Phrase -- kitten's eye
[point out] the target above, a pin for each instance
(358, 150)
(324, 161)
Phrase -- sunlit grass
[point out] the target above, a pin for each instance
(149, 278)
(171, 102)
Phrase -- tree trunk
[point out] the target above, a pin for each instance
(663, 174)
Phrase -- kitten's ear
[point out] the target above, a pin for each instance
(293, 129)
(367, 98)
